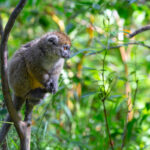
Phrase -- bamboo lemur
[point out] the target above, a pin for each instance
(34, 70)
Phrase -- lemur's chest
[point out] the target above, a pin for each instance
(53, 65)
(34, 83)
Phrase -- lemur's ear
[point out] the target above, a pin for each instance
(52, 39)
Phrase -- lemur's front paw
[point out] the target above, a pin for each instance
(51, 87)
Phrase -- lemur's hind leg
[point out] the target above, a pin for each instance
(34, 97)
(28, 112)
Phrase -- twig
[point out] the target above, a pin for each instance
(106, 93)
(125, 131)
(107, 127)
(137, 43)
(145, 28)
(118, 46)
(135, 93)
(103, 71)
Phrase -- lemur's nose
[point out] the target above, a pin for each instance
(66, 47)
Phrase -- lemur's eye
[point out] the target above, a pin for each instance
(53, 40)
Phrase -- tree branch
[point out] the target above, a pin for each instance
(142, 29)
(118, 46)
(1, 33)
(1, 27)
(3, 52)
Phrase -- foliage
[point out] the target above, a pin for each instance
(73, 119)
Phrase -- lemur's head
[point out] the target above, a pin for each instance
(56, 43)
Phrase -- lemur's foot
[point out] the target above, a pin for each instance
(51, 87)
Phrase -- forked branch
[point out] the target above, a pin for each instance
(5, 88)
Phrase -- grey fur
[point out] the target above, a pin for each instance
(34, 70)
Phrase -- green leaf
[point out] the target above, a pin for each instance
(132, 1)
(68, 112)
(70, 27)
(96, 6)
(89, 94)
(115, 96)
(147, 105)
(3, 111)
(44, 21)
(83, 3)
(89, 68)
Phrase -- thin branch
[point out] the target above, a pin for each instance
(118, 46)
(103, 66)
(145, 28)
(1, 27)
(135, 93)
(3, 52)
(125, 131)
(107, 127)
(137, 43)
(103, 101)
(1, 33)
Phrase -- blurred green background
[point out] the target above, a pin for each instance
(73, 118)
